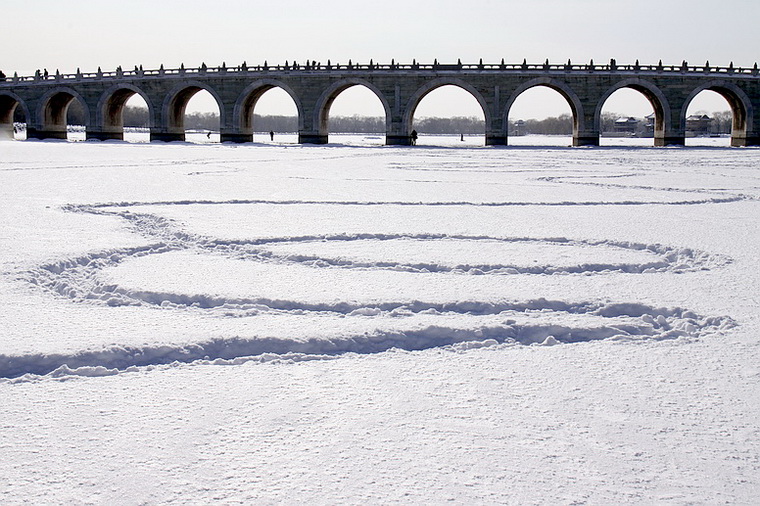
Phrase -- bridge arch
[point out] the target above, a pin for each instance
(109, 115)
(326, 99)
(9, 103)
(175, 103)
(416, 98)
(576, 107)
(246, 103)
(51, 113)
(662, 116)
(741, 108)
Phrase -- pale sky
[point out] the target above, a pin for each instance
(85, 34)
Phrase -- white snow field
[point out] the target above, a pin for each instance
(195, 323)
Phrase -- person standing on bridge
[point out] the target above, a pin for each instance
(271, 135)
(414, 137)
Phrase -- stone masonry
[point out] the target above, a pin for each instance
(44, 99)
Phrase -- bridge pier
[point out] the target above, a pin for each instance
(163, 136)
(398, 140)
(235, 137)
(33, 133)
(742, 142)
(670, 140)
(586, 139)
(496, 140)
(6, 131)
(311, 138)
(104, 136)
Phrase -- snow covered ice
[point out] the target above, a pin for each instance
(196, 323)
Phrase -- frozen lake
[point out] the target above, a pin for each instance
(270, 322)
(142, 135)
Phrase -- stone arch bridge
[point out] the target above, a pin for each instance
(44, 99)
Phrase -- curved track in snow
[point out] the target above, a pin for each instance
(81, 279)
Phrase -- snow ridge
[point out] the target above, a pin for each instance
(716, 199)
(667, 258)
(78, 278)
(624, 322)
(570, 180)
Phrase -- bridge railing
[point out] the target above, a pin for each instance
(312, 67)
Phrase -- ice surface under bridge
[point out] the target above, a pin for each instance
(44, 99)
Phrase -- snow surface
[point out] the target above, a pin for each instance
(351, 323)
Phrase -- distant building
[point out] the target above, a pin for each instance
(626, 126)
(698, 124)
(647, 129)
(519, 127)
